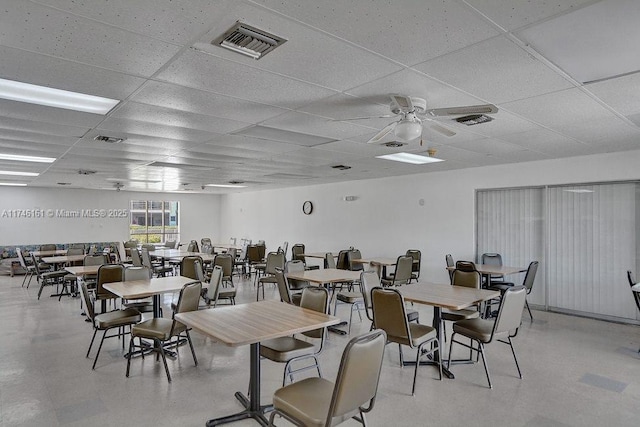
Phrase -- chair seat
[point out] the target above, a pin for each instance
(457, 315)
(283, 349)
(268, 279)
(307, 401)
(117, 318)
(479, 329)
(350, 297)
(502, 287)
(54, 274)
(156, 328)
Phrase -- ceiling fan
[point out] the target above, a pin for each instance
(413, 111)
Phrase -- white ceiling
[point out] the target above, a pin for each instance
(186, 102)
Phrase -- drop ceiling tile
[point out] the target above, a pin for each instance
(315, 157)
(560, 109)
(41, 29)
(169, 20)
(622, 93)
(466, 157)
(29, 138)
(503, 123)
(59, 116)
(226, 151)
(44, 70)
(495, 70)
(328, 61)
(523, 156)
(206, 72)
(11, 126)
(153, 129)
(491, 146)
(33, 147)
(169, 117)
(547, 142)
(197, 101)
(315, 125)
(606, 129)
(342, 106)
(361, 149)
(383, 27)
(255, 144)
(512, 14)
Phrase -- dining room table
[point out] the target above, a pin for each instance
(488, 270)
(249, 324)
(445, 296)
(39, 254)
(62, 259)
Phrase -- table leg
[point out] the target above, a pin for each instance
(334, 328)
(253, 409)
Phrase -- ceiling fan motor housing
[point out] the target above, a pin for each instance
(419, 106)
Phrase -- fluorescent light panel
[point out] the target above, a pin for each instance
(19, 173)
(21, 158)
(13, 184)
(414, 159)
(579, 190)
(226, 185)
(41, 95)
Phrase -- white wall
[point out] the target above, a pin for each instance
(386, 219)
(199, 215)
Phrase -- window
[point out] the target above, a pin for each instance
(154, 221)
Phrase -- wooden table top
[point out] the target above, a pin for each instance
(446, 296)
(62, 259)
(225, 246)
(318, 254)
(49, 253)
(81, 270)
(134, 289)
(177, 253)
(496, 269)
(379, 260)
(327, 275)
(251, 323)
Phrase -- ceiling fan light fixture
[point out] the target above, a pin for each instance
(408, 130)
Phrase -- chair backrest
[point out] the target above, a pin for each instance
(214, 284)
(243, 251)
(93, 249)
(171, 244)
(131, 244)
(466, 266)
(188, 300)
(225, 261)
(23, 263)
(389, 313)
(48, 247)
(632, 281)
(200, 276)
(491, 258)
(351, 255)
(205, 241)
(285, 248)
(35, 264)
(136, 260)
(122, 252)
(342, 262)
(253, 254)
(329, 260)
(468, 279)
(206, 249)
(368, 280)
(88, 302)
(274, 259)
(358, 376)
(146, 258)
(262, 249)
(193, 246)
(187, 266)
(136, 273)
(233, 253)
(283, 286)
(530, 277)
(510, 311)
(76, 246)
(95, 260)
(416, 257)
(149, 247)
(296, 252)
(317, 299)
(295, 266)
(449, 260)
(75, 252)
(404, 264)
(109, 273)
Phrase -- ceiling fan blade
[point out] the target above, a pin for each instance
(461, 111)
(386, 116)
(443, 130)
(378, 137)
(403, 102)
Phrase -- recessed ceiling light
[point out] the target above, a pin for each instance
(226, 185)
(579, 190)
(410, 158)
(19, 173)
(13, 184)
(20, 158)
(41, 95)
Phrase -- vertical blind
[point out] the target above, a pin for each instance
(584, 237)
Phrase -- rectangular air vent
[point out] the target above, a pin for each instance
(109, 139)
(474, 119)
(341, 167)
(248, 41)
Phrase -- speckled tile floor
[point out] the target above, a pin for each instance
(576, 372)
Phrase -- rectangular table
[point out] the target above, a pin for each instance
(62, 259)
(49, 253)
(83, 270)
(444, 296)
(249, 324)
(176, 253)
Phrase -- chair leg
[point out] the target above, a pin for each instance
(528, 309)
(99, 348)
(129, 355)
(415, 371)
(95, 331)
(401, 355)
(43, 283)
(484, 362)
(514, 357)
(193, 352)
(164, 359)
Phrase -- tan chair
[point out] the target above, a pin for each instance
(71, 279)
(193, 246)
(297, 252)
(329, 260)
(108, 273)
(468, 279)
(351, 264)
(48, 247)
(159, 269)
(491, 258)
(144, 305)
(290, 349)
(107, 321)
(295, 266)
(319, 402)
(369, 280)
(402, 275)
(416, 257)
(216, 292)
(225, 261)
(449, 261)
(29, 269)
(188, 268)
(284, 290)
(48, 277)
(529, 278)
(466, 266)
(161, 330)
(389, 314)
(274, 260)
(484, 331)
(136, 260)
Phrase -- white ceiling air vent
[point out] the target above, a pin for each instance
(109, 139)
(394, 144)
(249, 41)
(474, 119)
(86, 172)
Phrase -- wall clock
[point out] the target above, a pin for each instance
(307, 207)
